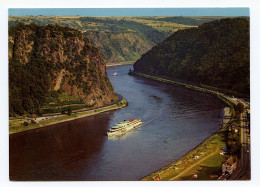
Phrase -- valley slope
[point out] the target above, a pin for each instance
(120, 39)
(214, 54)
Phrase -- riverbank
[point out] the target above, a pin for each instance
(204, 161)
(16, 126)
(231, 101)
(119, 63)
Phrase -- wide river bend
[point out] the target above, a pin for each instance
(175, 121)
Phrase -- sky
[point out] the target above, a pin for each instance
(129, 11)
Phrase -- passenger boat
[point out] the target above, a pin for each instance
(124, 126)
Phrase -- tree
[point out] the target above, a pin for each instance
(69, 110)
(240, 108)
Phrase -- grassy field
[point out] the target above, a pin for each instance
(161, 25)
(95, 23)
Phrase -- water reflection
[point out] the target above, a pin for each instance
(122, 136)
(54, 152)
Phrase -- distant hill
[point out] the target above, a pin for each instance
(214, 54)
(45, 61)
(119, 38)
(193, 21)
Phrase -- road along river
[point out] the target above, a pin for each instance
(175, 121)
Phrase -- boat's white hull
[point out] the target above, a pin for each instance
(122, 131)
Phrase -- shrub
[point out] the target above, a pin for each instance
(34, 122)
(25, 123)
(240, 108)
(69, 110)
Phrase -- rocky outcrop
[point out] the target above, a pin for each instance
(54, 58)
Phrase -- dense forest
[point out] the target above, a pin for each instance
(50, 60)
(214, 54)
(119, 38)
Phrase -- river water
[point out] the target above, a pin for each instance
(175, 121)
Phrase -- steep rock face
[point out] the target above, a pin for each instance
(50, 58)
(119, 47)
(215, 54)
(117, 38)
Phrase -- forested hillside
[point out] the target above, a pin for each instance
(214, 54)
(45, 61)
(119, 38)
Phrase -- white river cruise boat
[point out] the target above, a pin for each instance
(124, 126)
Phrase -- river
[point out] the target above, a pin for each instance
(175, 121)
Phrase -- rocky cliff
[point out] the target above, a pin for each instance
(45, 59)
(119, 38)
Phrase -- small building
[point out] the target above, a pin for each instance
(229, 166)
